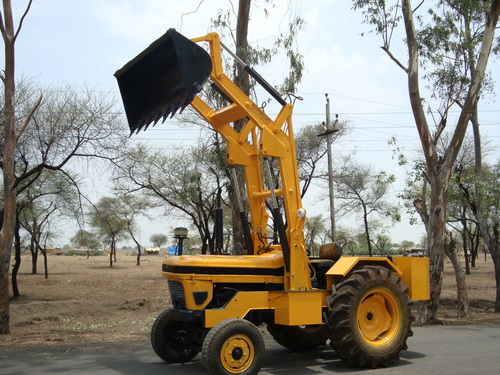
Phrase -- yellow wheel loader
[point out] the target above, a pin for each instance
(361, 305)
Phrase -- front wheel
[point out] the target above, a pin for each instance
(233, 346)
(169, 337)
(369, 317)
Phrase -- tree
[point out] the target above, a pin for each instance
(35, 220)
(365, 194)
(347, 239)
(10, 135)
(406, 243)
(416, 196)
(158, 240)
(186, 180)
(486, 209)
(382, 243)
(386, 17)
(461, 217)
(311, 148)
(86, 240)
(69, 125)
(314, 227)
(105, 217)
(132, 207)
(39, 204)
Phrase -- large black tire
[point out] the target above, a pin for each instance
(168, 337)
(369, 317)
(299, 337)
(233, 346)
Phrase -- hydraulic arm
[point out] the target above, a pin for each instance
(185, 66)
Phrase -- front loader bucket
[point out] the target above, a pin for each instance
(162, 79)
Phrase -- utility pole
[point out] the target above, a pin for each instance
(328, 133)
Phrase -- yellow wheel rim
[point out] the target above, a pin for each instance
(237, 354)
(379, 317)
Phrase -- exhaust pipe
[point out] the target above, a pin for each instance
(162, 79)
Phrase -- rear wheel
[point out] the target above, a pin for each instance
(169, 338)
(299, 337)
(369, 317)
(233, 346)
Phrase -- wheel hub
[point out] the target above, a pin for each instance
(376, 318)
(237, 354)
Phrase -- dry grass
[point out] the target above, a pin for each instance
(84, 300)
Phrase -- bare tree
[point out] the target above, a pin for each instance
(366, 194)
(69, 125)
(311, 148)
(133, 207)
(185, 181)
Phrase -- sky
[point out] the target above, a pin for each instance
(84, 42)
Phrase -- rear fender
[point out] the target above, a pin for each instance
(414, 272)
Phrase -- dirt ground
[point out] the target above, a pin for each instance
(86, 301)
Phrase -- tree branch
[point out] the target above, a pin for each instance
(2, 28)
(22, 19)
(30, 115)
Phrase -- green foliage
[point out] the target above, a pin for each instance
(404, 244)
(450, 42)
(383, 15)
(258, 55)
(73, 252)
(83, 238)
(484, 189)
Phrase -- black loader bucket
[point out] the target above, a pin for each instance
(162, 79)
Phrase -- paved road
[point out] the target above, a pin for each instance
(432, 350)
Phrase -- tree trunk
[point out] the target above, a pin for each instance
(45, 263)
(9, 178)
(421, 316)
(242, 79)
(465, 238)
(367, 232)
(131, 232)
(435, 239)
(17, 264)
(111, 250)
(34, 255)
(493, 242)
(462, 297)
(496, 262)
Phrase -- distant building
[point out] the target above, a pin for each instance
(414, 252)
(152, 251)
(53, 251)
